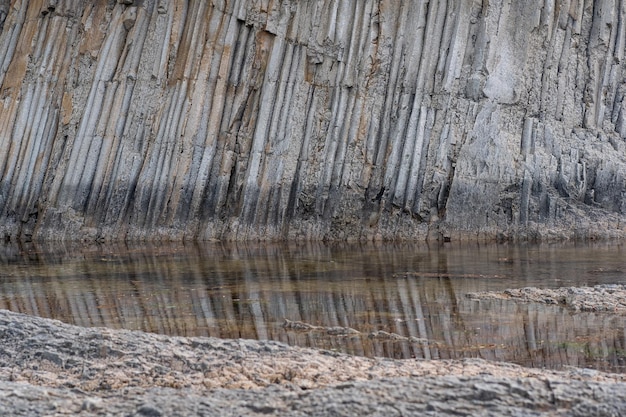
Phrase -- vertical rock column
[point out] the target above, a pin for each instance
(325, 119)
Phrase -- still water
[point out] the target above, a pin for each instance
(417, 294)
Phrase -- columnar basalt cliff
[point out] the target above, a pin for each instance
(321, 119)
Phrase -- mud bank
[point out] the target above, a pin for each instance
(53, 369)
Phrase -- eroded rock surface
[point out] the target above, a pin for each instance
(373, 119)
(601, 298)
(48, 368)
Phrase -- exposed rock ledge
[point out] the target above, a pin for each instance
(53, 369)
(609, 298)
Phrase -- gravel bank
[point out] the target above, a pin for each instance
(48, 368)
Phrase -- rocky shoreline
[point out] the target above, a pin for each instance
(48, 368)
(609, 298)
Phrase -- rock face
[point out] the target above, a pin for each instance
(259, 119)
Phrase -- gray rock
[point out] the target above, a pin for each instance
(312, 120)
(148, 411)
(601, 298)
(200, 376)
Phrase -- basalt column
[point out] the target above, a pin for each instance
(320, 119)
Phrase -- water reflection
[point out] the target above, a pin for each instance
(416, 293)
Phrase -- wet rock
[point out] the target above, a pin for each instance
(332, 330)
(338, 330)
(600, 298)
(298, 325)
(380, 334)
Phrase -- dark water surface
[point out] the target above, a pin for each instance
(248, 291)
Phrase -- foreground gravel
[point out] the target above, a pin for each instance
(48, 368)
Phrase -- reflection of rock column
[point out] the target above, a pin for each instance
(529, 334)
(421, 322)
(193, 296)
(255, 300)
